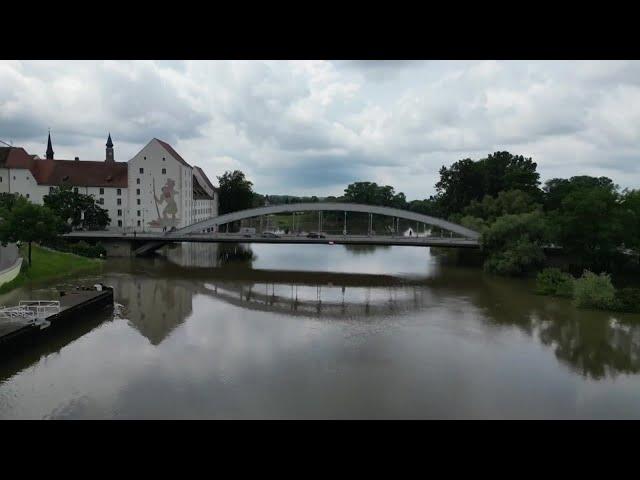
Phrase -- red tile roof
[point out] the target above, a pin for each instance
(173, 153)
(15, 157)
(80, 173)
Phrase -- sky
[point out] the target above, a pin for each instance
(313, 127)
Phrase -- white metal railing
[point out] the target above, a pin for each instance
(31, 312)
(41, 308)
(14, 314)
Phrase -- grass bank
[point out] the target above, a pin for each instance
(48, 265)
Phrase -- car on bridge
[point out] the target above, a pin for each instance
(269, 235)
(316, 235)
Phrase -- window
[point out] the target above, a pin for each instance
(138, 181)
(101, 201)
(137, 191)
(138, 222)
(75, 189)
(141, 170)
(163, 159)
(51, 189)
(145, 158)
(0, 179)
(27, 195)
(119, 213)
(119, 223)
(138, 212)
(138, 201)
(119, 191)
(102, 191)
(164, 171)
(119, 201)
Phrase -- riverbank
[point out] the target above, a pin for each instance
(48, 265)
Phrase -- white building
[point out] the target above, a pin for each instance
(155, 190)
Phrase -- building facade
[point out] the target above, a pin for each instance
(154, 191)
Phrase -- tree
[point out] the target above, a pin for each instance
(236, 192)
(8, 200)
(514, 243)
(28, 222)
(77, 210)
(370, 193)
(467, 180)
(630, 206)
(506, 202)
(587, 219)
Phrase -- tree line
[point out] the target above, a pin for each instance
(502, 197)
(64, 210)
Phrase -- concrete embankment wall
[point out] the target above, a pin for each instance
(10, 263)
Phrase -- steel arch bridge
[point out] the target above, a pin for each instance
(215, 222)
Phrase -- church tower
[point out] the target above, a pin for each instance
(49, 153)
(109, 157)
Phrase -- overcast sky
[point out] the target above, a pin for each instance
(312, 127)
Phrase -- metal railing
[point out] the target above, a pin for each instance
(30, 311)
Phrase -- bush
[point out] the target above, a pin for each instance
(515, 259)
(594, 291)
(628, 300)
(81, 248)
(552, 281)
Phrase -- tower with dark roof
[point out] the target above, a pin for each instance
(109, 157)
(49, 153)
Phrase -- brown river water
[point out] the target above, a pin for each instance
(322, 331)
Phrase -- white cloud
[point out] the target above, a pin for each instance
(311, 127)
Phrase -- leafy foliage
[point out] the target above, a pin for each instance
(587, 220)
(27, 222)
(514, 243)
(594, 291)
(370, 193)
(236, 192)
(467, 180)
(77, 210)
(552, 281)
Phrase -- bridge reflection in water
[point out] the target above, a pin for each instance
(591, 343)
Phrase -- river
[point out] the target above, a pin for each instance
(323, 331)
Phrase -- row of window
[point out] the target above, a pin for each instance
(120, 223)
(164, 171)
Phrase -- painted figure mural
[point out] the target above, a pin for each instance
(168, 199)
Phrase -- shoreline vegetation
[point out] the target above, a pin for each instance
(48, 265)
(588, 291)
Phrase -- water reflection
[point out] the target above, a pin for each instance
(317, 331)
(594, 344)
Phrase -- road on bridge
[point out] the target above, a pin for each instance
(425, 241)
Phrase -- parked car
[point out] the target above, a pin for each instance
(247, 231)
(316, 235)
(270, 235)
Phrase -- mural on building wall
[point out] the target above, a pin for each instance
(167, 198)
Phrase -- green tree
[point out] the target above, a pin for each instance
(370, 193)
(505, 203)
(514, 243)
(8, 200)
(467, 180)
(630, 211)
(27, 222)
(77, 210)
(587, 219)
(236, 192)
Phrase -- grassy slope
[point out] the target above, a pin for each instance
(49, 264)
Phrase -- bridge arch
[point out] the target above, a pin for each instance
(328, 206)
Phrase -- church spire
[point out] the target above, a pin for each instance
(49, 154)
(109, 157)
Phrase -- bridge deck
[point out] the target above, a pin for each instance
(284, 239)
